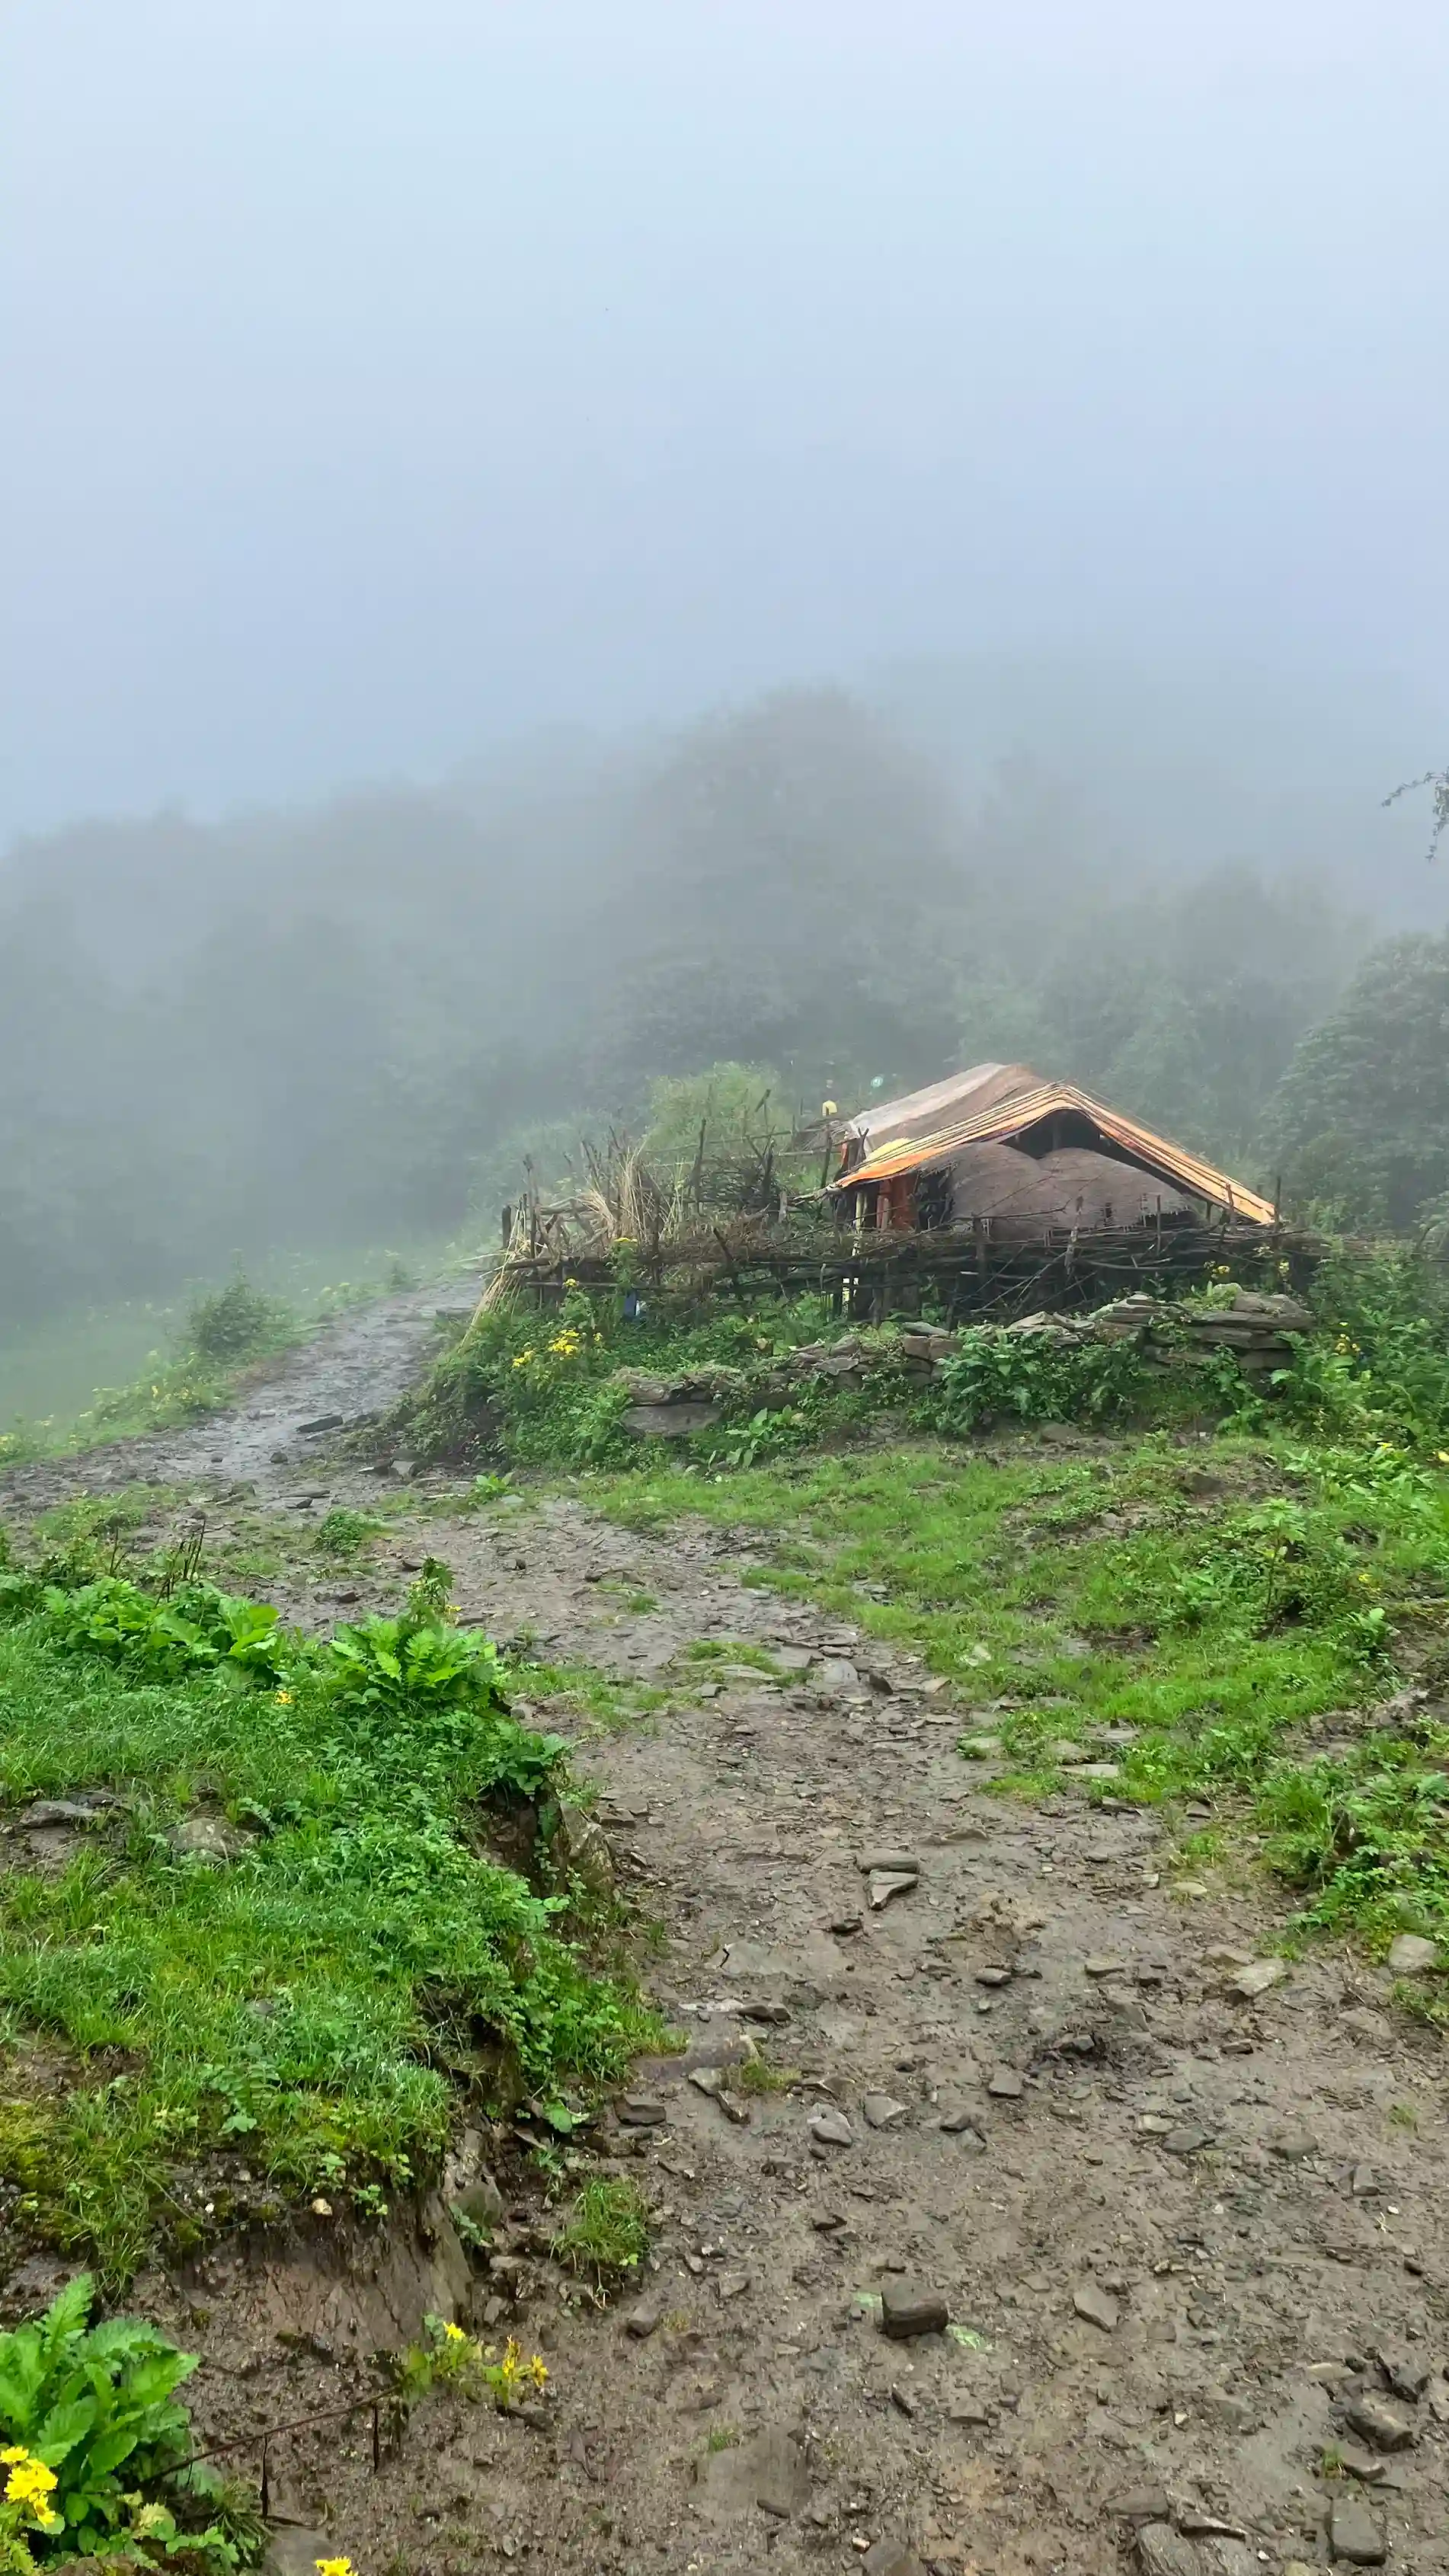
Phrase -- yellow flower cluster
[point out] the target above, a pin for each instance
(30, 2482)
(513, 2372)
(333, 2566)
(566, 1344)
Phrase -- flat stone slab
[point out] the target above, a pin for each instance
(1412, 1956)
(1355, 2534)
(883, 1884)
(1096, 2305)
(1254, 1980)
(668, 1421)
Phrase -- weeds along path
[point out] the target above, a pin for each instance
(949, 2059)
(359, 1365)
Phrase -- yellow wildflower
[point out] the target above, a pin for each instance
(30, 2482)
(284, 1696)
(454, 2334)
(333, 2566)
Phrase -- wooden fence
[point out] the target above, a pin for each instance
(869, 1276)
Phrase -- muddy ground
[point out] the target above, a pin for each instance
(1190, 2244)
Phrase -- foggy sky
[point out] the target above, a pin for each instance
(383, 376)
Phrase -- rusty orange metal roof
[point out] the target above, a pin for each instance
(1024, 1109)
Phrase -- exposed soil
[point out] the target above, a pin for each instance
(1172, 2229)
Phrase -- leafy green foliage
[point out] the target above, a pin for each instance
(92, 2403)
(197, 1630)
(1378, 1371)
(344, 1533)
(1019, 1376)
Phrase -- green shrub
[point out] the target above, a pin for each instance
(1379, 1369)
(344, 1533)
(235, 1323)
(95, 2407)
(197, 1630)
(1022, 1376)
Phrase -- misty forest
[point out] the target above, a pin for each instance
(348, 1024)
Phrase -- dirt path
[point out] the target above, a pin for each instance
(360, 1365)
(1172, 2227)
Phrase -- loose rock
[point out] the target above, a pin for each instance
(1005, 2085)
(1140, 2504)
(1354, 2534)
(830, 2127)
(1407, 2373)
(881, 2111)
(891, 2558)
(641, 2111)
(907, 2309)
(208, 1839)
(1160, 2552)
(1410, 1956)
(1294, 2143)
(1096, 2306)
(955, 2119)
(1380, 2423)
(886, 1883)
(1256, 1978)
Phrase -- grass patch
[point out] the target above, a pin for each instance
(731, 1650)
(606, 2232)
(758, 2076)
(1192, 1637)
(343, 1534)
(186, 2041)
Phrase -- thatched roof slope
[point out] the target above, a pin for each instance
(1035, 1115)
(941, 1104)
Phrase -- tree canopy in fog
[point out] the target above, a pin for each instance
(348, 1022)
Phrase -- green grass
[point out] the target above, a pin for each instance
(1218, 1630)
(606, 2231)
(316, 2009)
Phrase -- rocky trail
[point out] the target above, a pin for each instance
(1016, 2207)
(358, 1366)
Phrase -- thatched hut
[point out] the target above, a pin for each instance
(998, 1148)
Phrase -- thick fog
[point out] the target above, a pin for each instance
(387, 375)
(549, 547)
